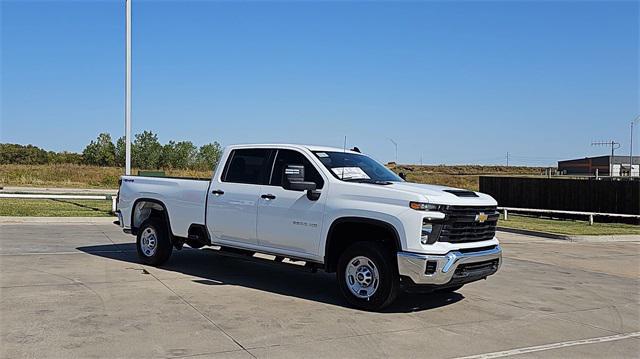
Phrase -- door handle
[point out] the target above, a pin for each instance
(217, 192)
(268, 196)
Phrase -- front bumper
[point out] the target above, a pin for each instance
(455, 267)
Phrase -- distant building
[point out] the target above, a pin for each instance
(587, 166)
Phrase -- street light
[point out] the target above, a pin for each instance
(127, 89)
(631, 148)
(396, 145)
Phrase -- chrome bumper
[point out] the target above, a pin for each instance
(414, 266)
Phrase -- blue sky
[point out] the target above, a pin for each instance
(453, 82)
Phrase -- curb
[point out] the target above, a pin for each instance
(57, 220)
(574, 238)
(528, 232)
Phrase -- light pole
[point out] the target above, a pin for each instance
(396, 145)
(127, 89)
(631, 148)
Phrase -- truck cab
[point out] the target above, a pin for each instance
(337, 210)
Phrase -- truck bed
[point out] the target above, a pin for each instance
(184, 199)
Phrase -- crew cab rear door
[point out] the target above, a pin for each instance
(232, 203)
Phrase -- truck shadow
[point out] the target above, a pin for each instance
(211, 268)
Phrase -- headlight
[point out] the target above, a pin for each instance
(422, 206)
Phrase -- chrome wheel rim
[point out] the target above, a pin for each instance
(362, 277)
(149, 242)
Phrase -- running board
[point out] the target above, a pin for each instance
(299, 264)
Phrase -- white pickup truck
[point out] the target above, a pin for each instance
(336, 210)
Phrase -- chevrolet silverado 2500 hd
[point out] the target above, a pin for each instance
(337, 210)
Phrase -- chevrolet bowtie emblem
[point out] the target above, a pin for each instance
(481, 217)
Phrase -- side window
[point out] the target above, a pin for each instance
(246, 166)
(290, 157)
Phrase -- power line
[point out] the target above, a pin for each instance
(614, 146)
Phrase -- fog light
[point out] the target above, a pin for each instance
(427, 228)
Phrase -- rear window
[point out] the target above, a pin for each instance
(246, 166)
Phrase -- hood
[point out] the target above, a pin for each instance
(445, 195)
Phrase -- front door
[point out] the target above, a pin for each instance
(232, 204)
(288, 220)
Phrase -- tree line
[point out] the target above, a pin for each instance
(146, 153)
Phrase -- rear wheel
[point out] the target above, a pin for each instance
(153, 242)
(367, 276)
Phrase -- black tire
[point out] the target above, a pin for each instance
(163, 247)
(450, 289)
(385, 263)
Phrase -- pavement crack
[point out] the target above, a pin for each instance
(73, 281)
(203, 315)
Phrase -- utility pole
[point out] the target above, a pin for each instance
(127, 89)
(396, 146)
(614, 146)
(507, 159)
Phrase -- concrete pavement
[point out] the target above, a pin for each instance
(77, 290)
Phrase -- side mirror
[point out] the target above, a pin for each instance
(402, 175)
(294, 179)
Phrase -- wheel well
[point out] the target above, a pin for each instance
(346, 231)
(147, 208)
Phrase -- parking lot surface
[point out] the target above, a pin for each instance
(77, 290)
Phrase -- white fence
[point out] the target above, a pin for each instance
(505, 210)
(63, 196)
(590, 215)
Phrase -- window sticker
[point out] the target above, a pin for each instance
(322, 154)
(350, 173)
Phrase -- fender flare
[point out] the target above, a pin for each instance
(362, 220)
(134, 229)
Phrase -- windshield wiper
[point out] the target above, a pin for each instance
(365, 180)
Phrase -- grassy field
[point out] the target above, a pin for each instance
(570, 227)
(78, 176)
(460, 176)
(73, 176)
(54, 208)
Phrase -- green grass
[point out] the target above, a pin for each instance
(54, 208)
(569, 227)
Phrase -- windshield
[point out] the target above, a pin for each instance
(355, 167)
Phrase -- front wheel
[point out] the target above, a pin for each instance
(368, 276)
(153, 242)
